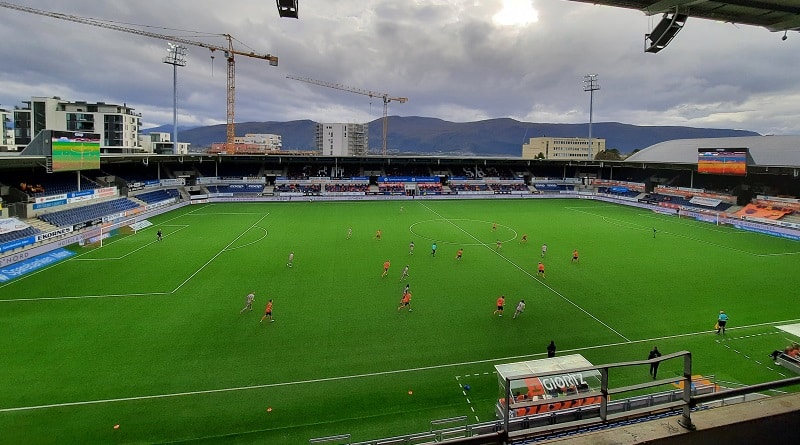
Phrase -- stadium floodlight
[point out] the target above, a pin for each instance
(176, 56)
(590, 84)
(287, 8)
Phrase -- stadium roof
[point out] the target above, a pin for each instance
(765, 151)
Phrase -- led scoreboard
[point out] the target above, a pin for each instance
(722, 161)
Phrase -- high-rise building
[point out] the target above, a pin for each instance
(342, 139)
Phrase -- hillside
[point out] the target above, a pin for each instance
(493, 137)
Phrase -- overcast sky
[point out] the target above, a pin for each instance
(457, 60)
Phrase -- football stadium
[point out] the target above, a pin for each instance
(331, 300)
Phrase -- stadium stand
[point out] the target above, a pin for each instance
(392, 188)
(18, 234)
(306, 189)
(87, 213)
(158, 195)
(237, 189)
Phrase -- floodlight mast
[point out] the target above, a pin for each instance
(229, 52)
(176, 56)
(590, 84)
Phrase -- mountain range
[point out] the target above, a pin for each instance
(431, 136)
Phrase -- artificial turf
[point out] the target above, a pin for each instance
(148, 335)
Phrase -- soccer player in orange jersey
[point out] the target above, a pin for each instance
(405, 302)
(575, 256)
(540, 269)
(386, 265)
(268, 312)
(378, 235)
(501, 303)
(459, 254)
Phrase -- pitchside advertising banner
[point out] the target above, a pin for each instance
(32, 264)
(28, 240)
(409, 179)
(44, 202)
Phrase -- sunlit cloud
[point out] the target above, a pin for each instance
(516, 13)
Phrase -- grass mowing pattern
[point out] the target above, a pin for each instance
(148, 335)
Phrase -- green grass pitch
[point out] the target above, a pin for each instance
(149, 336)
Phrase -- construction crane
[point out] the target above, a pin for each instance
(228, 51)
(385, 96)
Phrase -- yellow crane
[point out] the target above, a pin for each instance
(385, 96)
(228, 51)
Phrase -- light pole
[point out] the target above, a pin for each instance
(590, 85)
(176, 56)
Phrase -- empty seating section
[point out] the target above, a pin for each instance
(470, 187)
(430, 188)
(89, 212)
(237, 189)
(393, 188)
(553, 187)
(508, 188)
(17, 234)
(618, 191)
(311, 189)
(679, 201)
(57, 185)
(158, 196)
(347, 188)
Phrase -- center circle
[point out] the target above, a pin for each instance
(464, 232)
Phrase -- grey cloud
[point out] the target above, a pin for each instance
(447, 57)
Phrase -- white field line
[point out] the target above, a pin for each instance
(497, 252)
(34, 273)
(371, 374)
(123, 295)
(134, 250)
(250, 243)
(224, 249)
(635, 226)
(479, 243)
(82, 297)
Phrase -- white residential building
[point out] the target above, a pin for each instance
(161, 143)
(562, 149)
(342, 139)
(117, 125)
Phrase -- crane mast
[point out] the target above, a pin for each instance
(385, 96)
(229, 52)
